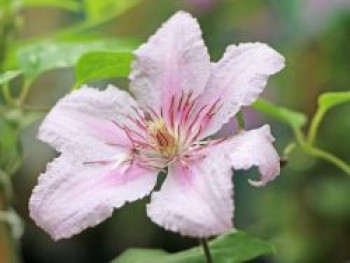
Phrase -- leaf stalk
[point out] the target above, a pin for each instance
(206, 250)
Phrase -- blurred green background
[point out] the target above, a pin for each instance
(305, 213)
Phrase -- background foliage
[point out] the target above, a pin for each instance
(49, 47)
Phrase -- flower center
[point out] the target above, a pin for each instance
(164, 140)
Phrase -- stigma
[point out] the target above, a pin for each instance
(165, 140)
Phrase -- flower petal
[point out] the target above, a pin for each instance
(239, 78)
(174, 60)
(195, 200)
(254, 148)
(87, 116)
(72, 196)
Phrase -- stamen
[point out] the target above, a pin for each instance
(153, 112)
(172, 111)
(191, 107)
(137, 123)
(135, 133)
(141, 117)
(187, 102)
(196, 118)
(144, 145)
(148, 117)
(195, 157)
(180, 102)
(195, 137)
(187, 109)
(213, 110)
(100, 162)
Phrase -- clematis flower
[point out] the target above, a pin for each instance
(113, 144)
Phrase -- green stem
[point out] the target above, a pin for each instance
(25, 91)
(206, 250)
(299, 136)
(328, 157)
(289, 149)
(7, 241)
(6, 186)
(7, 94)
(315, 123)
(316, 152)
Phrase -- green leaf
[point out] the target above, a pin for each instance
(331, 99)
(234, 247)
(8, 6)
(10, 157)
(9, 75)
(292, 118)
(38, 58)
(70, 5)
(135, 255)
(102, 65)
(103, 11)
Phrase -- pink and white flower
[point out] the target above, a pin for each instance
(112, 146)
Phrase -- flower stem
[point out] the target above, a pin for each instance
(206, 250)
(328, 157)
(315, 123)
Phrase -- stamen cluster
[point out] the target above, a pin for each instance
(158, 139)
